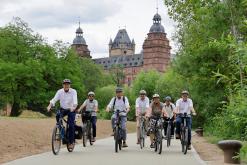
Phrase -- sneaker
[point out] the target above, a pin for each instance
(189, 147)
(71, 146)
(93, 140)
(152, 145)
(124, 144)
(177, 136)
(138, 142)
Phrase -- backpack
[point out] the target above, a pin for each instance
(114, 102)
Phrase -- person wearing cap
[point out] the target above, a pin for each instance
(169, 114)
(91, 105)
(184, 105)
(156, 111)
(68, 103)
(120, 102)
(142, 105)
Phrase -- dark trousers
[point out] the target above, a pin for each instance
(166, 125)
(93, 120)
(189, 124)
(71, 123)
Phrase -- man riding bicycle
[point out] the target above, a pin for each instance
(169, 114)
(142, 105)
(184, 105)
(68, 103)
(121, 103)
(91, 105)
(156, 111)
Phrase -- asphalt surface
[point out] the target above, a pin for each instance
(102, 153)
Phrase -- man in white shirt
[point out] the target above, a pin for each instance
(121, 103)
(184, 105)
(68, 103)
(91, 105)
(142, 105)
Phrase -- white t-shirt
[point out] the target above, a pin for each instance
(142, 105)
(91, 106)
(169, 109)
(184, 106)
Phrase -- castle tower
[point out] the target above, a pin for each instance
(121, 45)
(156, 48)
(79, 44)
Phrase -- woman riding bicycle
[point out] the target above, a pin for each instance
(142, 105)
(156, 111)
(91, 105)
(184, 105)
(68, 103)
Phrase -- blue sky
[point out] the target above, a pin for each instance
(100, 19)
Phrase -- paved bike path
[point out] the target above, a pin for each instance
(102, 153)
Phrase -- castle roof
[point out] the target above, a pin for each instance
(122, 37)
(126, 61)
(157, 27)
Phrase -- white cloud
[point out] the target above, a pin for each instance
(100, 20)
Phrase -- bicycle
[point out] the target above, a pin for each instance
(157, 123)
(60, 135)
(88, 129)
(142, 130)
(118, 133)
(184, 132)
(168, 130)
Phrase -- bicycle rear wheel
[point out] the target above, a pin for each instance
(116, 138)
(186, 140)
(56, 140)
(168, 135)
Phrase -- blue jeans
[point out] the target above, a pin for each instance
(189, 124)
(71, 123)
(123, 124)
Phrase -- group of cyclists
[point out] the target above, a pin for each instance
(158, 107)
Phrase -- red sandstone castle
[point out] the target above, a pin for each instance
(155, 54)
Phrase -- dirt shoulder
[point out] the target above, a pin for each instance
(207, 151)
(24, 137)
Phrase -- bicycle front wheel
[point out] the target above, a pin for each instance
(186, 140)
(168, 135)
(90, 134)
(116, 138)
(142, 137)
(159, 141)
(56, 140)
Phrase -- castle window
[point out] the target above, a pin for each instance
(128, 59)
(130, 64)
(133, 59)
(136, 63)
(109, 61)
(115, 60)
(103, 61)
(125, 64)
